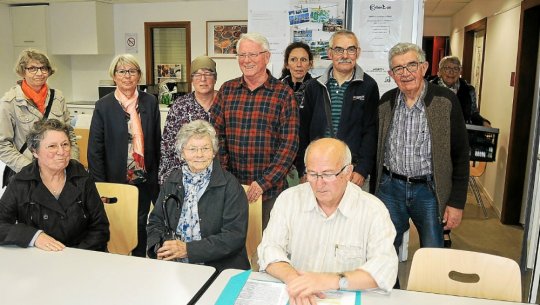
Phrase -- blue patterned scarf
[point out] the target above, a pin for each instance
(194, 186)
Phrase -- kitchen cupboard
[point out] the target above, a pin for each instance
(81, 28)
(29, 26)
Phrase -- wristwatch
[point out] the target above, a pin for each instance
(343, 281)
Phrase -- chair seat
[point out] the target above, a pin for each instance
(465, 273)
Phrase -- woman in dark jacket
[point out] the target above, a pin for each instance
(52, 202)
(125, 138)
(201, 214)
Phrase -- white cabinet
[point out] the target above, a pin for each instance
(82, 28)
(29, 26)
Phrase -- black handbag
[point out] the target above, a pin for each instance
(8, 172)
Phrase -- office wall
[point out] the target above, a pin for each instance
(130, 18)
(437, 26)
(499, 62)
(7, 76)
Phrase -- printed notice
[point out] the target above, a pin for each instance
(380, 24)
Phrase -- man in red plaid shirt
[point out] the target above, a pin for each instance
(256, 118)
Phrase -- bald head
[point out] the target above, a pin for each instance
(331, 148)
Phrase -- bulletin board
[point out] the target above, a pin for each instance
(378, 24)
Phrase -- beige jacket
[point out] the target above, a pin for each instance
(17, 116)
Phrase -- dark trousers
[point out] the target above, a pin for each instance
(147, 193)
(267, 206)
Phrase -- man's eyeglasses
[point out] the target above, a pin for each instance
(350, 50)
(194, 150)
(411, 67)
(53, 148)
(251, 56)
(451, 69)
(198, 76)
(33, 70)
(326, 177)
(129, 72)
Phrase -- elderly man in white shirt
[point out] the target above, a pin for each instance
(328, 233)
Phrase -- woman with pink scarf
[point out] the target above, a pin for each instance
(125, 135)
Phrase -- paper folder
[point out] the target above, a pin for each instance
(230, 293)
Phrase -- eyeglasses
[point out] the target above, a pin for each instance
(131, 72)
(198, 76)
(301, 59)
(350, 50)
(53, 148)
(411, 67)
(313, 177)
(451, 69)
(194, 150)
(33, 70)
(251, 56)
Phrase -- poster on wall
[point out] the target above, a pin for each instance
(222, 36)
(314, 22)
(169, 72)
(379, 24)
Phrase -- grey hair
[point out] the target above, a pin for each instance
(31, 54)
(405, 47)
(197, 128)
(37, 133)
(346, 33)
(255, 37)
(347, 156)
(451, 59)
(124, 59)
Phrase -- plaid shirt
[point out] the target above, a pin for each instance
(258, 132)
(408, 148)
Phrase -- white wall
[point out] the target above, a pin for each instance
(130, 18)
(437, 26)
(7, 76)
(500, 60)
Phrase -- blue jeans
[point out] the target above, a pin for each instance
(417, 201)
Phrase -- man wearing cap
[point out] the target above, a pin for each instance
(190, 107)
(256, 119)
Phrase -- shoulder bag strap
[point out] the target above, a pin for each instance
(46, 115)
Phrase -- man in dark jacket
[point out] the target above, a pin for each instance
(342, 104)
(449, 76)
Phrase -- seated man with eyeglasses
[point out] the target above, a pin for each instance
(328, 234)
(423, 150)
(342, 104)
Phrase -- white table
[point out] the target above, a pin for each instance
(396, 297)
(73, 276)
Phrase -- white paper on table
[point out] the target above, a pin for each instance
(257, 292)
(338, 297)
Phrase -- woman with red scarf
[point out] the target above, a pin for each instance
(125, 138)
(26, 103)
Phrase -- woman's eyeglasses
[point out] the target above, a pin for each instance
(33, 70)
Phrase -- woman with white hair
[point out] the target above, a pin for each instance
(201, 214)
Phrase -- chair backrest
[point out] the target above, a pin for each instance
(477, 168)
(465, 273)
(82, 141)
(254, 234)
(122, 215)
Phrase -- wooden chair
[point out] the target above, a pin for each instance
(465, 273)
(254, 234)
(121, 205)
(82, 141)
(477, 169)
